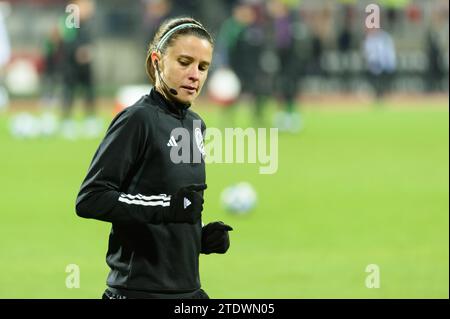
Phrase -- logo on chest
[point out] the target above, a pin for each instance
(185, 148)
(199, 140)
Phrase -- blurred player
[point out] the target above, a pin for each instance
(379, 53)
(242, 42)
(289, 66)
(436, 70)
(53, 54)
(77, 73)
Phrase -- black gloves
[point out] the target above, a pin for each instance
(186, 205)
(215, 238)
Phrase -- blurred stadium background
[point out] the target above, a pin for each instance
(363, 154)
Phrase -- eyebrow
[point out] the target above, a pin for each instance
(191, 58)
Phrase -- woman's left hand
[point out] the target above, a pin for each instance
(215, 238)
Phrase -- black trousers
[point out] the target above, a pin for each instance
(78, 78)
(381, 83)
(112, 293)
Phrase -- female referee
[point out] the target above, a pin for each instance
(153, 203)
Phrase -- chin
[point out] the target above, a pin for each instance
(181, 100)
(186, 99)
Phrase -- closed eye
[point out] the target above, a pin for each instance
(203, 67)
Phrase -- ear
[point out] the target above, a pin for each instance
(155, 58)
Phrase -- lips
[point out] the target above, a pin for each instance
(189, 88)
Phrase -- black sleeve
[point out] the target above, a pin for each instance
(100, 196)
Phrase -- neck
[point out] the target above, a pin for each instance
(172, 103)
(164, 93)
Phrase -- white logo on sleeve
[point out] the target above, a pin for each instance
(172, 141)
(187, 202)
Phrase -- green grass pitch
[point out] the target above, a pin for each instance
(356, 187)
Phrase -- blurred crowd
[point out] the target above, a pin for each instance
(276, 48)
(279, 48)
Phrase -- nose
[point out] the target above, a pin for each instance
(194, 73)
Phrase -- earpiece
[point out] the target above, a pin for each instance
(171, 90)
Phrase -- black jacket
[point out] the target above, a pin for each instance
(129, 183)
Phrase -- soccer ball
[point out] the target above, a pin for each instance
(22, 77)
(24, 125)
(239, 198)
(224, 87)
(27, 126)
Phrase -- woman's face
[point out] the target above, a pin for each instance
(185, 66)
